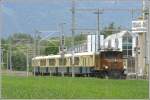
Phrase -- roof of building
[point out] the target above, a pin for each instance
(117, 35)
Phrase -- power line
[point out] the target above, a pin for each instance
(98, 12)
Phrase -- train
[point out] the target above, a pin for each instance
(103, 64)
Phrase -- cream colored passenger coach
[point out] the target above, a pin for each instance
(85, 59)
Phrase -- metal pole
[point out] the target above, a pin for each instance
(73, 32)
(0, 64)
(34, 51)
(136, 64)
(27, 62)
(2, 57)
(7, 60)
(62, 44)
(98, 30)
(98, 33)
(145, 16)
(127, 50)
(148, 49)
(10, 55)
(38, 43)
(0, 45)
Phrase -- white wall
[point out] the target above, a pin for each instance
(112, 39)
(133, 45)
(91, 40)
(120, 43)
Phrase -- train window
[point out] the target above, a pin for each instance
(62, 61)
(43, 62)
(109, 55)
(76, 60)
(52, 62)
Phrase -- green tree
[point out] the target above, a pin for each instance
(51, 50)
(21, 36)
(79, 39)
(17, 41)
(110, 29)
(52, 47)
(19, 61)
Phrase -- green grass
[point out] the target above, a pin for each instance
(67, 87)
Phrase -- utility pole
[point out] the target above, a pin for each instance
(35, 48)
(98, 34)
(34, 44)
(148, 47)
(1, 54)
(27, 61)
(38, 43)
(62, 38)
(146, 15)
(98, 28)
(7, 60)
(10, 55)
(62, 44)
(73, 32)
(146, 18)
(0, 44)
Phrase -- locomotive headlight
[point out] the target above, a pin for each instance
(115, 60)
(106, 67)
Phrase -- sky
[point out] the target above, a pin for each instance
(26, 16)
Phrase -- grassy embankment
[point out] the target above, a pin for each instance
(67, 87)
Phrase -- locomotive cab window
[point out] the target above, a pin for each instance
(109, 55)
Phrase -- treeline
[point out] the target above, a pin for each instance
(16, 48)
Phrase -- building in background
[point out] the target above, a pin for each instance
(139, 28)
(124, 41)
(90, 45)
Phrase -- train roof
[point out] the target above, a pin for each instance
(66, 55)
